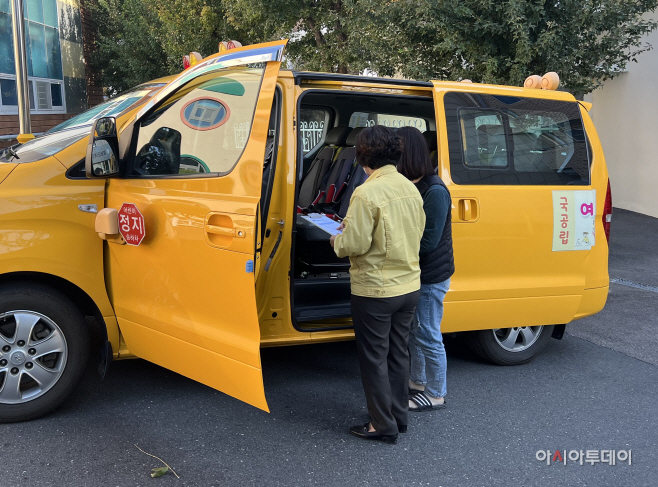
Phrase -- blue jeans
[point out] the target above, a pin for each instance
(428, 355)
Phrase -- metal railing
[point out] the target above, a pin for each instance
(311, 133)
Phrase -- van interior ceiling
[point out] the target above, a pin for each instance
(327, 176)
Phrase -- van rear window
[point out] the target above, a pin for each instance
(512, 140)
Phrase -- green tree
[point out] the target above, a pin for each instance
(140, 40)
(503, 42)
(128, 50)
(491, 41)
(322, 33)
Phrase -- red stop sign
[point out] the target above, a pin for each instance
(131, 224)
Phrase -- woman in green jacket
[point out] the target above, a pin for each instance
(381, 235)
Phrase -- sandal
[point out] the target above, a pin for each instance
(423, 403)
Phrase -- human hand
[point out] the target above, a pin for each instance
(332, 240)
(341, 227)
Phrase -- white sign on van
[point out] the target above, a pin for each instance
(573, 220)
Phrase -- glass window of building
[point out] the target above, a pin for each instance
(44, 58)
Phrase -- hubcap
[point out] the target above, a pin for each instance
(28, 332)
(517, 339)
(17, 358)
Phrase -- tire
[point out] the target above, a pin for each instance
(38, 374)
(510, 346)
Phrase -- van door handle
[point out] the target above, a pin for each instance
(468, 210)
(231, 231)
(226, 232)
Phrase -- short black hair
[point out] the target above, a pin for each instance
(378, 146)
(415, 161)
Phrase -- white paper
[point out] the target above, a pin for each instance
(323, 222)
(574, 219)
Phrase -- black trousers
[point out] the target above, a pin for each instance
(381, 326)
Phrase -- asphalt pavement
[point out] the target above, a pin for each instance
(594, 390)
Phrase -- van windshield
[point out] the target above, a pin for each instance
(111, 108)
(77, 128)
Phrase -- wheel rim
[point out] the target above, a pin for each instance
(33, 354)
(517, 339)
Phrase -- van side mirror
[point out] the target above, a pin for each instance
(102, 159)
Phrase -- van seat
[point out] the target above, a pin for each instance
(335, 182)
(310, 185)
(492, 139)
(357, 177)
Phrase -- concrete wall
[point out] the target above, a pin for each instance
(625, 113)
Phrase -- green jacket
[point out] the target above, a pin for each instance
(383, 228)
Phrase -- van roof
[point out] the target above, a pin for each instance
(317, 77)
(308, 77)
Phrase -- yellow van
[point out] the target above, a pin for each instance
(181, 230)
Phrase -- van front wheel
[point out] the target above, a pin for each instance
(510, 346)
(44, 347)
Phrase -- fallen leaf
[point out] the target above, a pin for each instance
(159, 472)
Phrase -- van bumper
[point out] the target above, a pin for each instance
(592, 302)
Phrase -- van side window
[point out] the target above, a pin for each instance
(512, 140)
(483, 138)
(313, 127)
(364, 119)
(203, 128)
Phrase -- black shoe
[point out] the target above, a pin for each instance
(402, 428)
(361, 431)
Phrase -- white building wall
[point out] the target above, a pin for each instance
(625, 112)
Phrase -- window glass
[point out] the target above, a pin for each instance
(202, 128)
(37, 38)
(54, 58)
(111, 108)
(28, 48)
(363, 119)
(30, 86)
(77, 128)
(8, 92)
(543, 142)
(35, 11)
(6, 46)
(483, 138)
(312, 127)
(50, 12)
(512, 140)
(47, 145)
(56, 94)
(44, 59)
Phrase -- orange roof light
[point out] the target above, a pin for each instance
(533, 82)
(550, 81)
(192, 59)
(227, 45)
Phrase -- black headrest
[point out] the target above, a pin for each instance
(430, 138)
(351, 139)
(337, 135)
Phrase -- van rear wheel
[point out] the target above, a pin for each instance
(510, 346)
(44, 348)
